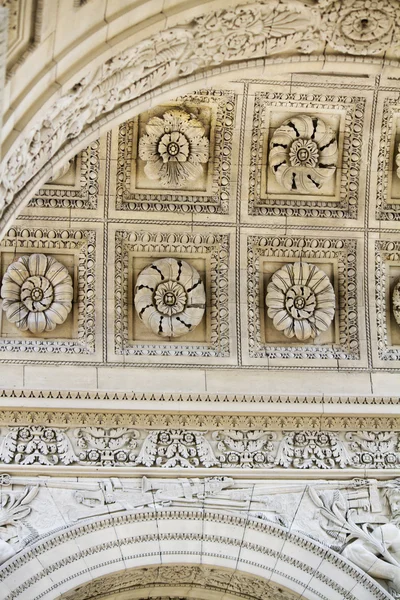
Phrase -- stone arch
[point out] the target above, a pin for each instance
(123, 81)
(75, 560)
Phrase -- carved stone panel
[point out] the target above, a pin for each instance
(199, 178)
(387, 276)
(76, 335)
(76, 185)
(336, 258)
(208, 254)
(388, 161)
(330, 187)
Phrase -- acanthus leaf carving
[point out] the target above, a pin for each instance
(36, 445)
(246, 449)
(312, 449)
(176, 448)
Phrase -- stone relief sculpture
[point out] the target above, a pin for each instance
(360, 27)
(190, 448)
(375, 548)
(170, 297)
(396, 302)
(37, 293)
(303, 154)
(174, 148)
(300, 300)
(356, 518)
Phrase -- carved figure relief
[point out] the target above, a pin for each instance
(300, 300)
(170, 297)
(303, 154)
(174, 148)
(37, 293)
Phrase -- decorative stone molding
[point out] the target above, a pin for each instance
(79, 335)
(300, 300)
(210, 246)
(174, 148)
(387, 198)
(215, 110)
(165, 57)
(37, 293)
(265, 249)
(188, 448)
(359, 27)
(340, 198)
(396, 302)
(387, 256)
(83, 193)
(170, 297)
(303, 154)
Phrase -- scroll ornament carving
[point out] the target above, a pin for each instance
(360, 26)
(174, 148)
(37, 293)
(106, 447)
(176, 448)
(37, 445)
(300, 300)
(396, 301)
(170, 297)
(246, 449)
(307, 449)
(303, 154)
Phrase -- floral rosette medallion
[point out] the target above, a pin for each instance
(364, 27)
(37, 293)
(170, 297)
(174, 148)
(303, 154)
(300, 301)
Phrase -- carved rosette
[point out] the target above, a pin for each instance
(174, 148)
(170, 297)
(300, 300)
(37, 293)
(303, 154)
(360, 26)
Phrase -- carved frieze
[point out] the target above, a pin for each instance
(170, 297)
(189, 448)
(300, 300)
(359, 27)
(37, 293)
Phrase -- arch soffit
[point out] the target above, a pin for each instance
(265, 556)
(119, 84)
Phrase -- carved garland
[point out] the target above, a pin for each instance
(185, 448)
